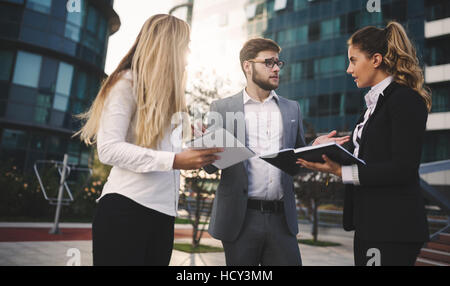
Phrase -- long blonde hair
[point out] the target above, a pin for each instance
(399, 55)
(157, 62)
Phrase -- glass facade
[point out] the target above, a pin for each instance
(47, 23)
(51, 66)
(313, 36)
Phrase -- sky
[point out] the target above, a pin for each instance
(133, 14)
(214, 51)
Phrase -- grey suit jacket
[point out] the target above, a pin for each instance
(230, 203)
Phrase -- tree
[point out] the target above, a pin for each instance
(199, 187)
(312, 188)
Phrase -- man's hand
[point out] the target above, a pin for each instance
(330, 138)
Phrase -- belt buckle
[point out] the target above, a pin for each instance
(266, 210)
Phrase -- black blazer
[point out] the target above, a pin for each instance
(388, 205)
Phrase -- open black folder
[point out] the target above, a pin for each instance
(285, 159)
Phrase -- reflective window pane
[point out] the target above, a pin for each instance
(22, 94)
(102, 29)
(37, 141)
(27, 69)
(40, 115)
(19, 112)
(57, 118)
(76, 18)
(81, 85)
(64, 79)
(15, 1)
(14, 139)
(60, 102)
(43, 100)
(43, 6)
(72, 32)
(6, 61)
(47, 81)
(91, 21)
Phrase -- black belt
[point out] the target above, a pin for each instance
(266, 206)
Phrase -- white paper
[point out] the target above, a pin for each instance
(234, 151)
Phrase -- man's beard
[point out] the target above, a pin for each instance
(266, 85)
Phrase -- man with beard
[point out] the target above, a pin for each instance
(254, 211)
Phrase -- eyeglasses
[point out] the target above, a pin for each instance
(270, 63)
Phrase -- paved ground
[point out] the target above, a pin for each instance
(63, 252)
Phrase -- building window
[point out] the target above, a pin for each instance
(330, 28)
(63, 86)
(269, 7)
(60, 102)
(250, 11)
(297, 71)
(14, 139)
(72, 32)
(441, 98)
(301, 35)
(314, 32)
(91, 20)
(47, 81)
(64, 79)
(15, 1)
(74, 23)
(436, 146)
(76, 18)
(41, 111)
(80, 85)
(27, 69)
(300, 4)
(43, 6)
(279, 5)
(6, 61)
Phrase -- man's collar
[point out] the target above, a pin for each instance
(247, 97)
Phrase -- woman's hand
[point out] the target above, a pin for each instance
(330, 138)
(196, 129)
(195, 159)
(328, 167)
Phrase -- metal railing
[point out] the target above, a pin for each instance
(434, 195)
(64, 170)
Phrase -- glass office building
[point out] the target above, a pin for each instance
(313, 35)
(51, 65)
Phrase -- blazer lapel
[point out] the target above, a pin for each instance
(284, 110)
(237, 106)
(380, 103)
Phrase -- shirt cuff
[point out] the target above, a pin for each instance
(164, 160)
(350, 175)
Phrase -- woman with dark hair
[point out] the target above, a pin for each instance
(383, 201)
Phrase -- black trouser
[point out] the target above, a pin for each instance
(376, 253)
(127, 233)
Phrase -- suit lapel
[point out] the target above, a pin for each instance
(284, 110)
(380, 102)
(237, 106)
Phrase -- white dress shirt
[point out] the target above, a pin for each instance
(142, 174)
(350, 174)
(264, 132)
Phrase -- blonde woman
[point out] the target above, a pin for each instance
(130, 121)
(383, 201)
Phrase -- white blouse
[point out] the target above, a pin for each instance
(350, 174)
(141, 174)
